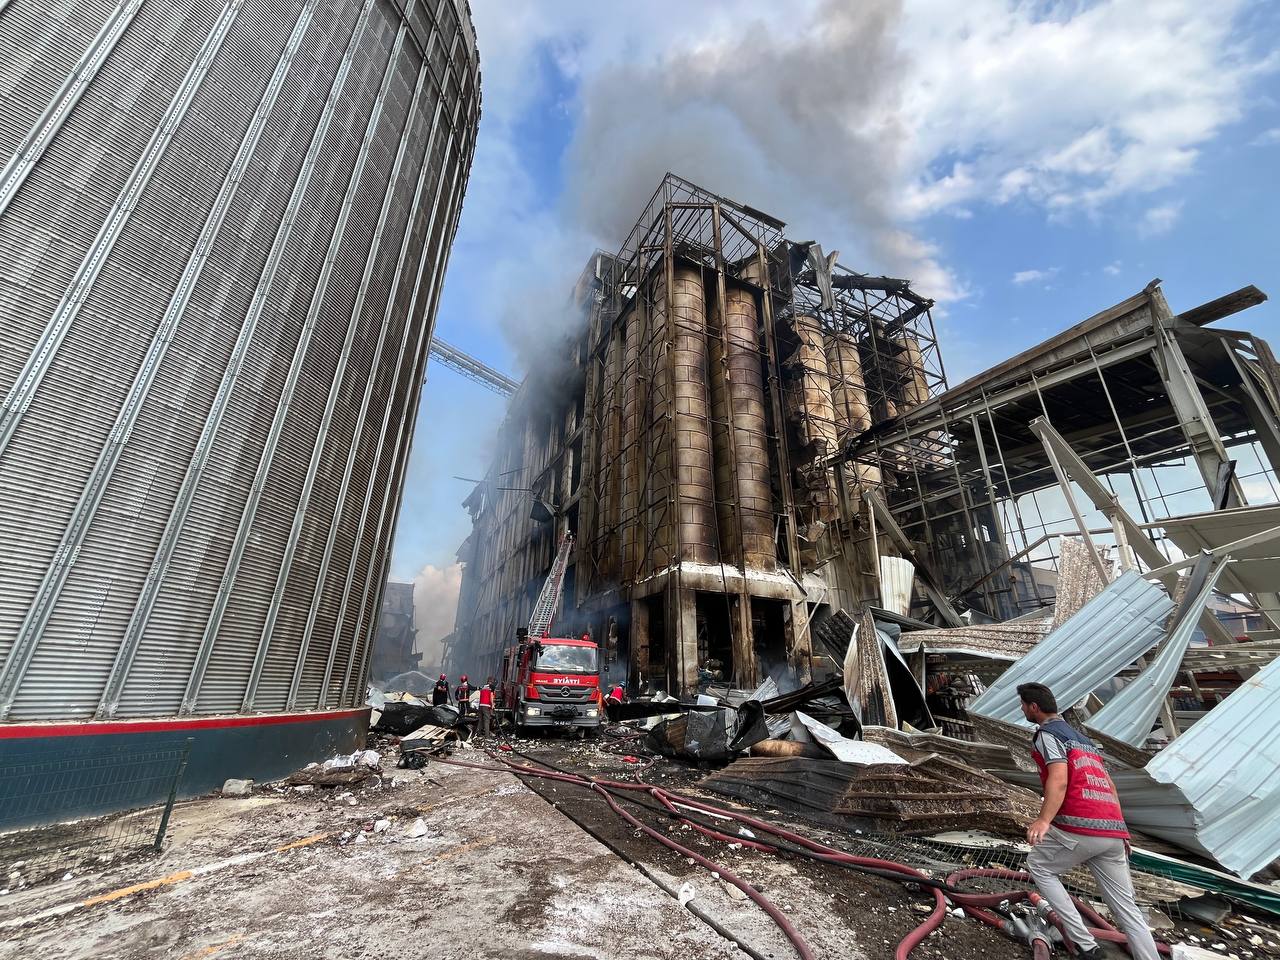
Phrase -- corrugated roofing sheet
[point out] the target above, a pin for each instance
(1109, 633)
(1256, 569)
(1129, 715)
(1228, 768)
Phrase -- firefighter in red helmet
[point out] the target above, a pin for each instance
(441, 692)
(463, 695)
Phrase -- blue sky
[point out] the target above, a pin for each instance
(1025, 164)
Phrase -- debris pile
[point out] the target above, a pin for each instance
(340, 771)
(924, 797)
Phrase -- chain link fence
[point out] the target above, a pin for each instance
(89, 810)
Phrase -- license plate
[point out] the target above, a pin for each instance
(563, 723)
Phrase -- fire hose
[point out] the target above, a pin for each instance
(985, 907)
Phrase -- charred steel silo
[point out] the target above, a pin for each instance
(223, 227)
(743, 485)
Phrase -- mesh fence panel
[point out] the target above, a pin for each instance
(87, 810)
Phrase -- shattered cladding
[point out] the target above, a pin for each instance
(1228, 767)
(1114, 628)
(223, 227)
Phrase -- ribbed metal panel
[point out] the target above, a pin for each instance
(1109, 632)
(26, 130)
(250, 420)
(380, 323)
(1228, 767)
(265, 211)
(281, 652)
(365, 571)
(46, 234)
(1131, 713)
(69, 318)
(306, 590)
(85, 624)
(386, 493)
(367, 335)
(336, 326)
(178, 326)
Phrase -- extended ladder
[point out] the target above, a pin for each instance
(544, 611)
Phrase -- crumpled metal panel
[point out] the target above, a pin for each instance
(1129, 715)
(1254, 569)
(996, 641)
(1109, 633)
(1228, 768)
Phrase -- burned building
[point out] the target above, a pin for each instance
(394, 644)
(1135, 410)
(743, 437)
(689, 441)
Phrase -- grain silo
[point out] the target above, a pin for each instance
(723, 383)
(223, 228)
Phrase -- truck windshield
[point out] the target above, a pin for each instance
(555, 658)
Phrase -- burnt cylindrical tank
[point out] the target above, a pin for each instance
(742, 447)
(689, 429)
(811, 414)
(223, 229)
(810, 396)
(848, 391)
(849, 396)
(912, 384)
(631, 514)
(608, 465)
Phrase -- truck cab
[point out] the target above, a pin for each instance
(552, 682)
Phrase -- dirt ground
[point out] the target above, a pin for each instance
(453, 862)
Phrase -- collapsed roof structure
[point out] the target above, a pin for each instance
(749, 442)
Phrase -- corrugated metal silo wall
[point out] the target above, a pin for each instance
(223, 227)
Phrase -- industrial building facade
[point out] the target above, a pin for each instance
(742, 435)
(223, 229)
(685, 444)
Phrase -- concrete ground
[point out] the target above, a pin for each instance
(452, 862)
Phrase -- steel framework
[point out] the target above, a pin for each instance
(473, 369)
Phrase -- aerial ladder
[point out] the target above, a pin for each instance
(544, 611)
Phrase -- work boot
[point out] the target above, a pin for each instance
(1094, 953)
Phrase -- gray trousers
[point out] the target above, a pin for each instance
(1107, 860)
(486, 719)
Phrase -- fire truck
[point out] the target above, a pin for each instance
(551, 682)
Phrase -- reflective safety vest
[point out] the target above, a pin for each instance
(486, 697)
(1090, 806)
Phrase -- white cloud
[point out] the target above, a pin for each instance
(1034, 276)
(1113, 268)
(1266, 138)
(1160, 219)
(1258, 491)
(858, 121)
(1068, 106)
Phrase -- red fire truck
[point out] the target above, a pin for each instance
(552, 682)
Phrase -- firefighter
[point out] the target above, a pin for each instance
(485, 710)
(441, 692)
(616, 695)
(463, 696)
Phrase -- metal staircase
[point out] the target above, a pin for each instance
(544, 611)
